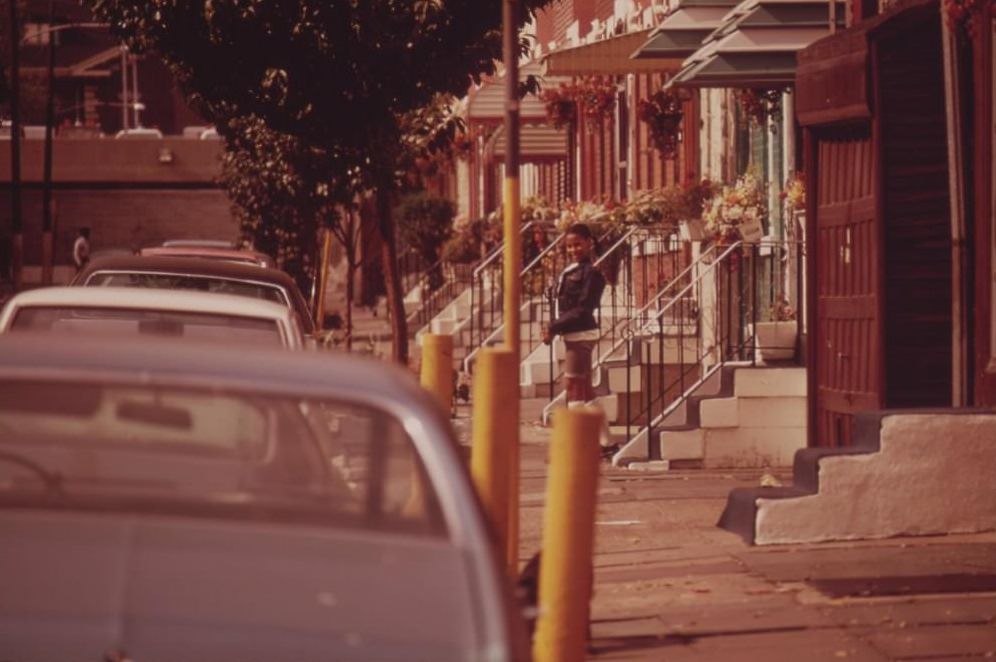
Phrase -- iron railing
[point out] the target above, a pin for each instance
(707, 323)
(486, 298)
(437, 295)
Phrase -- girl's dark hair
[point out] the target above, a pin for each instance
(583, 231)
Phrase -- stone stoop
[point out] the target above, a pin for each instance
(908, 472)
(749, 417)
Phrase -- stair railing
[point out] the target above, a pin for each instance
(490, 326)
(637, 323)
(711, 322)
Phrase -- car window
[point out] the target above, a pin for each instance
(127, 321)
(188, 282)
(213, 453)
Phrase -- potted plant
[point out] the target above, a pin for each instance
(662, 113)
(736, 212)
(776, 338)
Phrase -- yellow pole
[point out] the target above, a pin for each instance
(437, 368)
(512, 260)
(495, 391)
(568, 536)
(436, 376)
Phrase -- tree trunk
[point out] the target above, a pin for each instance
(392, 279)
(350, 274)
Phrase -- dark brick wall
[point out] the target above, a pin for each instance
(123, 218)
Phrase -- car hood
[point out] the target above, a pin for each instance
(82, 585)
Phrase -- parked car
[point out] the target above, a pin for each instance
(178, 273)
(212, 253)
(128, 311)
(165, 501)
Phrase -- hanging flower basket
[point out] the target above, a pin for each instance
(963, 15)
(561, 105)
(662, 113)
(760, 104)
(595, 96)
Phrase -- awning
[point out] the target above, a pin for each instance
(683, 31)
(756, 44)
(487, 102)
(537, 142)
(607, 57)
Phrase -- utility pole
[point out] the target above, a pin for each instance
(48, 252)
(513, 255)
(16, 224)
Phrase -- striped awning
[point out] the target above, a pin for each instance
(537, 142)
(487, 102)
(756, 43)
(606, 57)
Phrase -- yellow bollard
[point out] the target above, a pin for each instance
(496, 393)
(437, 368)
(437, 378)
(565, 578)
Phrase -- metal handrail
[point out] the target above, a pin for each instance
(719, 356)
(468, 360)
(638, 315)
(500, 250)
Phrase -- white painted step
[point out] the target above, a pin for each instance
(770, 382)
(773, 411)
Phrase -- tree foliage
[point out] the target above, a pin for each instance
(344, 76)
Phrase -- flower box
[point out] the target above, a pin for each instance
(776, 340)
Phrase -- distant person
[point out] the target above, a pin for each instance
(81, 248)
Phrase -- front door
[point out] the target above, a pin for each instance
(846, 249)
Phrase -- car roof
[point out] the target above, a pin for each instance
(219, 253)
(150, 299)
(198, 266)
(195, 266)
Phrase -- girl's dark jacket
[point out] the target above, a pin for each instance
(579, 292)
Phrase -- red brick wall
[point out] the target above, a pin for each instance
(124, 218)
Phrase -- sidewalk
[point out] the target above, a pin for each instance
(671, 586)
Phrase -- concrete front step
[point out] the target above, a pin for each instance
(753, 412)
(734, 447)
(760, 382)
(908, 472)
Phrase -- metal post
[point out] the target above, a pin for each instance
(566, 572)
(47, 242)
(16, 220)
(512, 257)
(495, 392)
(124, 88)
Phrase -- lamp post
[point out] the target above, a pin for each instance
(48, 252)
(16, 222)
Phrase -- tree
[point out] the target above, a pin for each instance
(338, 74)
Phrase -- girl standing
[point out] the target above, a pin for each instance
(578, 293)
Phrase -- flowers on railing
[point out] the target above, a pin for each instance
(595, 95)
(760, 104)
(794, 193)
(662, 113)
(736, 211)
(782, 310)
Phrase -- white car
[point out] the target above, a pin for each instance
(132, 311)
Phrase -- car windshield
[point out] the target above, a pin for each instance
(128, 321)
(209, 453)
(198, 283)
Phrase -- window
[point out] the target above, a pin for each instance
(165, 281)
(127, 321)
(211, 453)
(37, 34)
